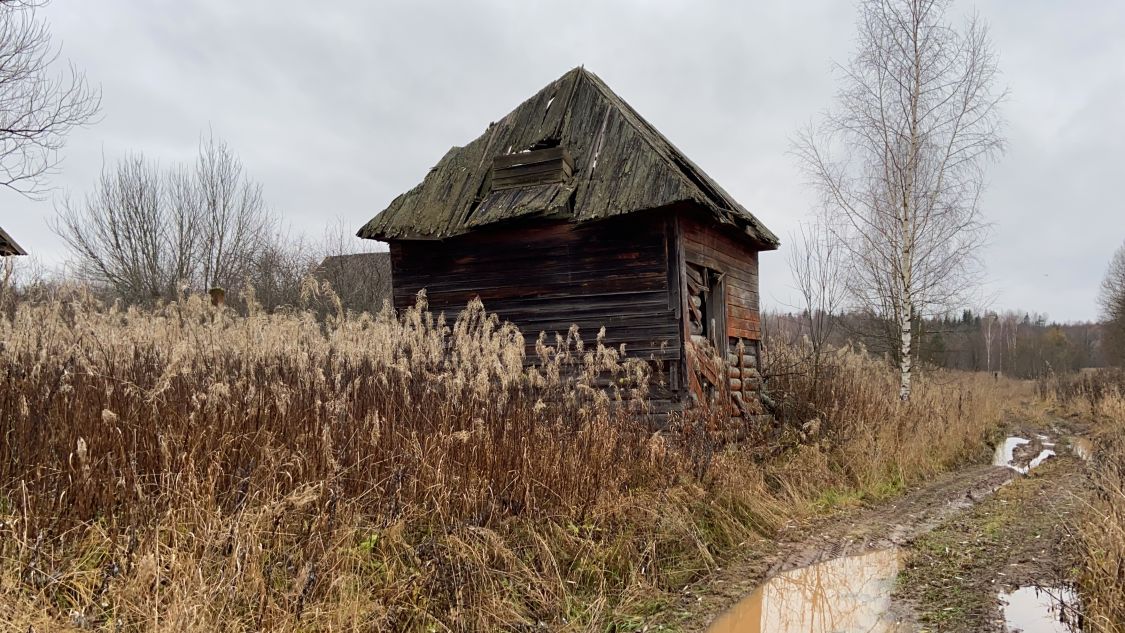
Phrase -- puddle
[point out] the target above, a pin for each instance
(846, 594)
(1041, 610)
(1043, 456)
(1006, 454)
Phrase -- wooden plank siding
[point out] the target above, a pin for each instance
(544, 277)
(626, 274)
(708, 245)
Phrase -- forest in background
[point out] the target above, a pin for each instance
(1016, 343)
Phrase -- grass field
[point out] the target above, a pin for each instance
(1100, 397)
(190, 469)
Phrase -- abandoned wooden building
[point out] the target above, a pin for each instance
(8, 246)
(573, 209)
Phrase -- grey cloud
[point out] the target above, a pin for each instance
(338, 107)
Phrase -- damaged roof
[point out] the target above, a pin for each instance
(617, 164)
(8, 246)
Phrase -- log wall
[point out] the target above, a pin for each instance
(708, 245)
(617, 273)
(626, 274)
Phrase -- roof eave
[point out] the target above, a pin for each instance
(8, 246)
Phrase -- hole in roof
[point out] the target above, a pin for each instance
(545, 143)
(547, 110)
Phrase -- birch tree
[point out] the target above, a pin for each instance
(899, 160)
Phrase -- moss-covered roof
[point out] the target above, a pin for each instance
(621, 164)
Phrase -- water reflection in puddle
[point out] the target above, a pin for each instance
(1040, 610)
(1006, 454)
(841, 595)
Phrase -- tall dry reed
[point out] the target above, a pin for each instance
(187, 468)
(848, 406)
(1101, 396)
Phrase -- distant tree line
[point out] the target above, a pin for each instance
(1014, 343)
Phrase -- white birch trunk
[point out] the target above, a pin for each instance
(906, 364)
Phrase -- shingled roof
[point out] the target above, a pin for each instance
(8, 246)
(621, 164)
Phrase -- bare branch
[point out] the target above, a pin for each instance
(38, 108)
(899, 162)
(148, 232)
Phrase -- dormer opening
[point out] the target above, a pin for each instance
(536, 166)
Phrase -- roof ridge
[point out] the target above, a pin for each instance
(645, 170)
(623, 105)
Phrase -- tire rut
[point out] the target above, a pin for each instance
(849, 533)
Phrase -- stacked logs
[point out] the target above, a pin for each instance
(740, 369)
(745, 377)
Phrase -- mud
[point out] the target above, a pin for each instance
(959, 576)
(847, 534)
(939, 558)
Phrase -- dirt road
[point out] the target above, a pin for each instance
(936, 559)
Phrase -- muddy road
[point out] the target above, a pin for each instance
(987, 548)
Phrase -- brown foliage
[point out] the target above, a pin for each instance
(187, 468)
(1101, 395)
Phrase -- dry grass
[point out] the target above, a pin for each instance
(1101, 396)
(874, 437)
(193, 470)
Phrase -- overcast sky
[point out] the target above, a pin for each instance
(337, 107)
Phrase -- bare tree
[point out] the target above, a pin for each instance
(900, 161)
(146, 232)
(989, 319)
(1112, 303)
(278, 269)
(815, 263)
(128, 235)
(37, 108)
(233, 217)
